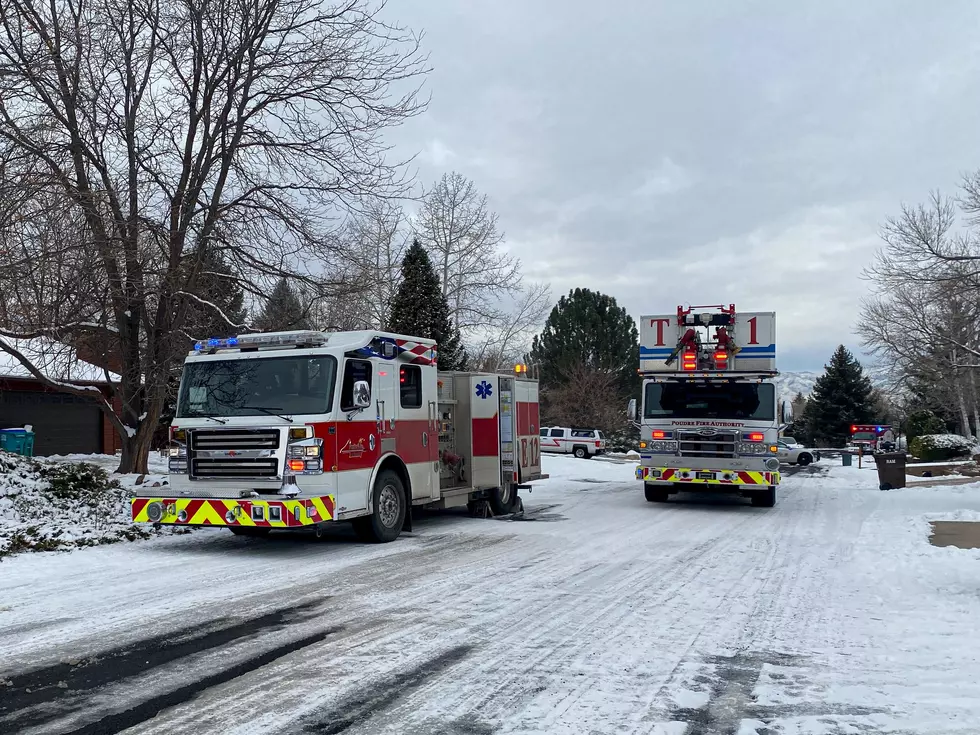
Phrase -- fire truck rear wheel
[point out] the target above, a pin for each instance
(504, 500)
(764, 498)
(385, 522)
(655, 493)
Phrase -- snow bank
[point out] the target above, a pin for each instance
(947, 441)
(65, 503)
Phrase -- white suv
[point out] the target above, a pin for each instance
(582, 443)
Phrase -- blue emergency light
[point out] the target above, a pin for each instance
(214, 342)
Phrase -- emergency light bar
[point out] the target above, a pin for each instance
(267, 339)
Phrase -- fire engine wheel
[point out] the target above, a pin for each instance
(385, 523)
(655, 493)
(764, 498)
(504, 500)
(581, 452)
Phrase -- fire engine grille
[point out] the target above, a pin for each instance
(234, 453)
(233, 439)
(231, 468)
(719, 444)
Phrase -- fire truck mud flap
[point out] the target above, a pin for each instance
(234, 513)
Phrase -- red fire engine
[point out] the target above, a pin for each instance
(292, 430)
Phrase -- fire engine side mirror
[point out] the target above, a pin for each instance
(631, 409)
(362, 394)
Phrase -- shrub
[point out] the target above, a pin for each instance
(84, 483)
(923, 423)
(938, 447)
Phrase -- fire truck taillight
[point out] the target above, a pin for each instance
(689, 361)
(721, 360)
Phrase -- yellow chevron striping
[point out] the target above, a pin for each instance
(212, 511)
(756, 478)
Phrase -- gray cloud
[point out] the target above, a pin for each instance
(713, 151)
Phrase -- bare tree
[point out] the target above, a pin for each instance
(499, 347)
(457, 226)
(923, 319)
(368, 258)
(166, 130)
(586, 397)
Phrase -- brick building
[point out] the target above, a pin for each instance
(63, 423)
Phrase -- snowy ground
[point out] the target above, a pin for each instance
(67, 502)
(829, 614)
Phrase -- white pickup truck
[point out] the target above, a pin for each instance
(582, 443)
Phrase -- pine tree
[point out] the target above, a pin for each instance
(588, 328)
(218, 285)
(420, 309)
(283, 311)
(842, 396)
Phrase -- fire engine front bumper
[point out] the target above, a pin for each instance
(251, 513)
(716, 478)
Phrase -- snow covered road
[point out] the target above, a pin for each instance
(598, 613)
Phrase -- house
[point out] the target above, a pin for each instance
(63, 423)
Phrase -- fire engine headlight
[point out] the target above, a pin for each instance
(312, 451)
(178, 466)
(154, 512)
(750, 448)
(662, 446)
(177, 450)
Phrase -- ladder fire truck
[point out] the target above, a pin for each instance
(293, 430)
(708, 419)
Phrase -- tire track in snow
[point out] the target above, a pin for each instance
(568, 639)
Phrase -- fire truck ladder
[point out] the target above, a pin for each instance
(693, 351)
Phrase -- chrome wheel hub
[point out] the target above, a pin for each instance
(388, 506)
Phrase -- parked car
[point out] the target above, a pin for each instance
(796, 453)
(791, 441)
(582, 443)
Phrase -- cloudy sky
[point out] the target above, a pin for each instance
(708, 152)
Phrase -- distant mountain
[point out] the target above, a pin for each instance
(789, 383)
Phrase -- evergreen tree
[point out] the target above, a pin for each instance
(283, 311)
(420, 309)
(842, 396)
(219, 286)
(589, 329)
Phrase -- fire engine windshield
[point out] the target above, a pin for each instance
(749, 401)
(257, 387)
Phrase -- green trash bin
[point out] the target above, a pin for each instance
(17, 441)
(846, 458)
(891, 470)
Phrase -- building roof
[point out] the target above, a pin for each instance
(56, 361)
